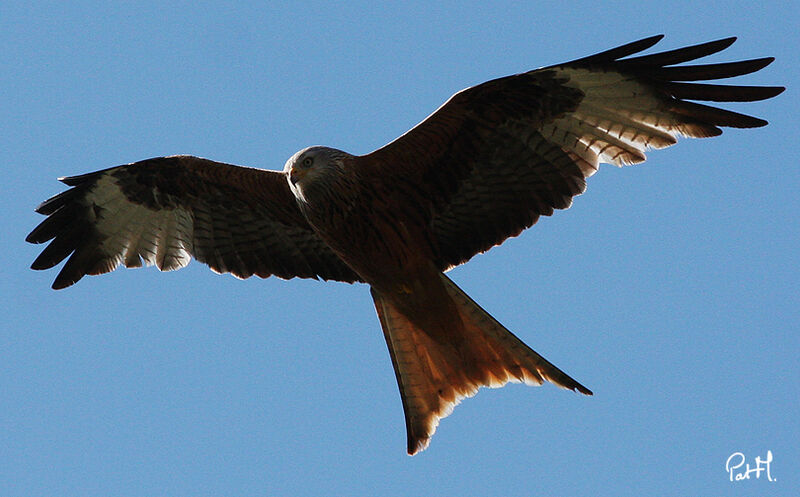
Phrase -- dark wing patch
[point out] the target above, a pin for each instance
(496, 156)
(166, 210)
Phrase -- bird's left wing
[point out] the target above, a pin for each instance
(498, 155)
(164, 211)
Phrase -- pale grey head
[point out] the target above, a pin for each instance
(313, 168)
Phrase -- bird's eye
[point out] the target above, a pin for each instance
(307, 162)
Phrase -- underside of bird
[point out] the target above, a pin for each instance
(444, 347)
(484, 167)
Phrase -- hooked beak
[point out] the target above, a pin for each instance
(296, 175)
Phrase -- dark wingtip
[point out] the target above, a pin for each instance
(646, 43)
(60, 285)
(712, 47)
(680, 55)
(726, 42)
(778, 90)
(81, 178)
(618, 52)
(40, 265)
(755, 64)
(66, 280)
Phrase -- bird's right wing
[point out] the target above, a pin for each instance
(498, 155)
(164, 211)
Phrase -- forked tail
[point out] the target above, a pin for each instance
(434, 375)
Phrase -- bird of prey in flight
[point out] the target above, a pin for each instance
(480, 169)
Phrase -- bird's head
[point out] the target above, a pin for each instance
(313, 167)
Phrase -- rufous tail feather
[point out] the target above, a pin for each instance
(433, 376)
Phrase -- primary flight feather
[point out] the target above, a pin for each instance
(479, 170)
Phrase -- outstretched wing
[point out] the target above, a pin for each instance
(496, 156)
(164, 211)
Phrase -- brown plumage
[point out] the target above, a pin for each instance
(480, 169)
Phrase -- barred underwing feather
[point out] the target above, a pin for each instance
(150, 213)
(601, 108)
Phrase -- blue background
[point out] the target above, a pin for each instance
(669, 288)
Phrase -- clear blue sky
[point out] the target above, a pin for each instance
(670, 289)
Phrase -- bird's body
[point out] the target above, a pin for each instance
(382, 253)
(480, 169)
(443, 346)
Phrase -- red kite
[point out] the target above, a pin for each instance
(480, 169)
